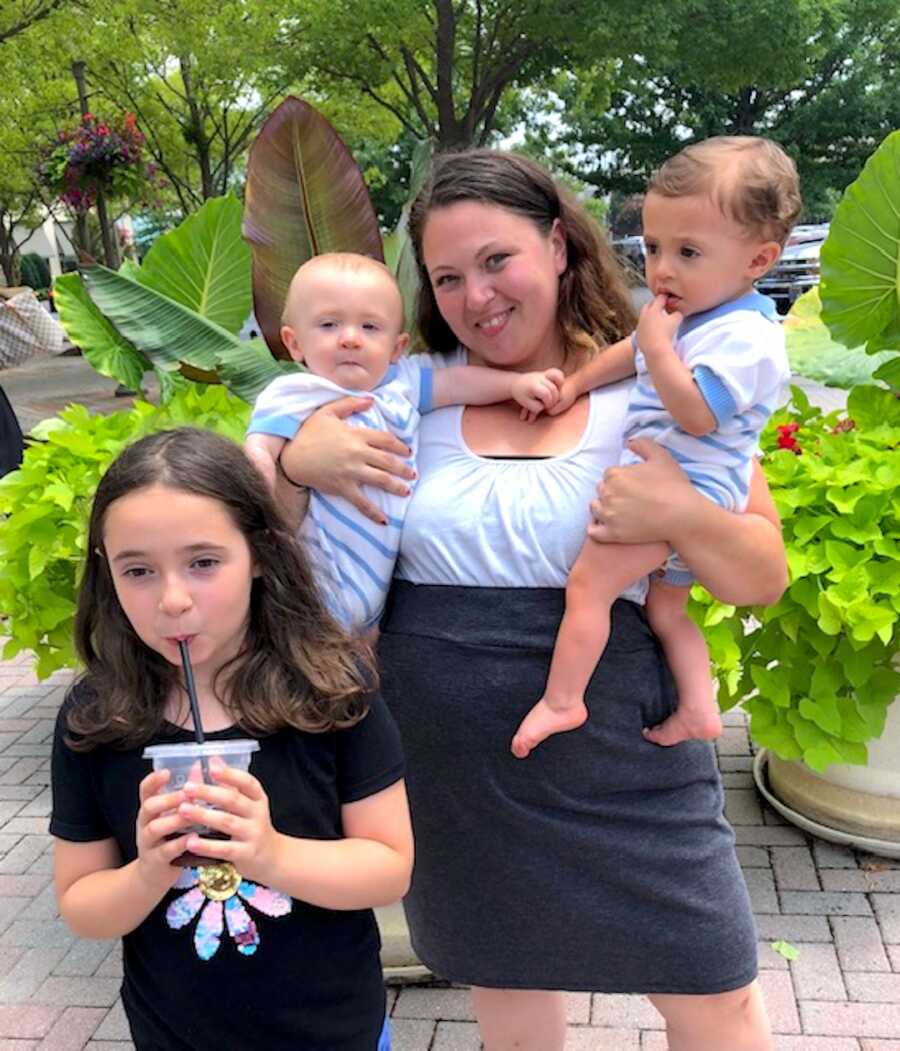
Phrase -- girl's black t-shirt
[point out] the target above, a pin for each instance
(257, 969)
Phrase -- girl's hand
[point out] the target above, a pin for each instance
(638, 504)
(243, 814)
(657, 328)
(158, 818)
(537, 392)
(334, 458)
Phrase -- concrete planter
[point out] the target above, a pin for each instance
(399, 962)
(855, 805)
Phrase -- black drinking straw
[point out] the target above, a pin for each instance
(195, 705)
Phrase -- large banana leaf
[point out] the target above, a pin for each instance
(204, 264)
(815, 354)
(861, 256)
(101, 344)
(304, 195)
(172, 335)
(245, 371)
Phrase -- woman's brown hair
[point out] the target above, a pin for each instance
(594, 304)
(297, 666)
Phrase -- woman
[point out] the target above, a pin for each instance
(602, 862)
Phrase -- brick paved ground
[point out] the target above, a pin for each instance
(840, 909)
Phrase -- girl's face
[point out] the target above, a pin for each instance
(495, 277)
(182, 570)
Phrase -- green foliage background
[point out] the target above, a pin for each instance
(48, 501)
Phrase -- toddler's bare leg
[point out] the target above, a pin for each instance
(600, 574)
(685, 649)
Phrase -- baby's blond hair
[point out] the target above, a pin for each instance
(349, 262)
(751, 179)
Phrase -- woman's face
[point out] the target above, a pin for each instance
(495, 277)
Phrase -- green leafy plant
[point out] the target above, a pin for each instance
(816, 671)
(861, 262)
(178, 314)
(814, 353)
(45, 504)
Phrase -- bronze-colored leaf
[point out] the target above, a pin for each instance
(304, 195)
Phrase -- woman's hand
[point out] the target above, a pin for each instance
(157, 819)
(739, 558)
(331, 457)
(242, 813)
(638, 504)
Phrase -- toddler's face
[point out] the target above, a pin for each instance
(345, 325)
(696, 256)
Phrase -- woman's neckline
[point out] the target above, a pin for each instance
(520, 457)
(559, 457)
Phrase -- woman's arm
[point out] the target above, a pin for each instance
(331, 457)
(738, 557)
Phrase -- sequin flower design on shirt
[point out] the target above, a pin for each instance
(218, 893)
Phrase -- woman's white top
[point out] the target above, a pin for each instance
(480, 522)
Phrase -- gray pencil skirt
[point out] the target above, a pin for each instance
(602, 862)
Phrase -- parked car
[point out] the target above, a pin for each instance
(630, 251)
(798, 268)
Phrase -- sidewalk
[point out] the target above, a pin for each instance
(840, 909)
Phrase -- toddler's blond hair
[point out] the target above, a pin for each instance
(348, 262)
(751, 179)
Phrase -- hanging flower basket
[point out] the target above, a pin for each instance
(98, 155)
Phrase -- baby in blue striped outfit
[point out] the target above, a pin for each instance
(343, 320)
(711, 368)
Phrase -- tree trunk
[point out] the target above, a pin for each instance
(108, 233)
(196, 133)
(10, 261)
(82, 238)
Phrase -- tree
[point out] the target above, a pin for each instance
(444, 68)
(26, 126)
(20, 15)
(816, 75)
(200, 81)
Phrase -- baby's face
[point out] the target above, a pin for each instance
(697, 257)
(345, 325)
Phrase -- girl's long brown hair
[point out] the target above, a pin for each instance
(594, 303)
(297, 666)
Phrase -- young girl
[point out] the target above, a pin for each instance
(185, 544)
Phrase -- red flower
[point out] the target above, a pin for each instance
(786, 439)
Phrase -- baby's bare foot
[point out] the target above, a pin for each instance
(542, 722)
(687, 724)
